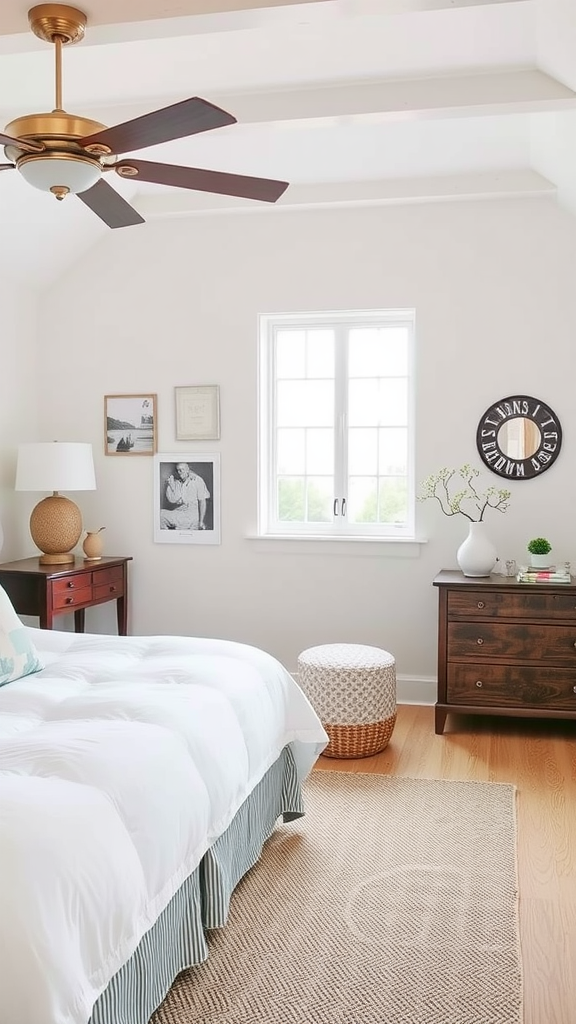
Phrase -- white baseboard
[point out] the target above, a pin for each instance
(412, 689)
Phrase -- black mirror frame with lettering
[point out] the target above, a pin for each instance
(511, 408)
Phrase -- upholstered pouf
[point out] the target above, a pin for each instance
(352, 688)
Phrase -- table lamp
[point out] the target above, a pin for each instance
(56, 521)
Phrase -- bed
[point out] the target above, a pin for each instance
(139, 778)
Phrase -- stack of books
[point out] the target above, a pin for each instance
(550, 575)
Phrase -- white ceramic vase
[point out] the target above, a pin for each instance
(476, 556)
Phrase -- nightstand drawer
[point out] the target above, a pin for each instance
(107, 590)
(510, 686)
(72, 598)
(487, 641)
(79, 581)
(113, 575)
(530, 604)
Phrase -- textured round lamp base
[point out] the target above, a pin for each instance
(55, 527)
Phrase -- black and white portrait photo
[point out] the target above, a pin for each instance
(187, 499)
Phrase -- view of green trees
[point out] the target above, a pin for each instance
(390, 507)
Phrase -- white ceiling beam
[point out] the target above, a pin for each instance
(117, 12)
(500, 185)
(420, 99)
(361, 7)
(404, 100)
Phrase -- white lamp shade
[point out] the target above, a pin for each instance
(55, 466)
(46, 172)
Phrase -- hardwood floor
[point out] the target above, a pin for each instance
(539, 758)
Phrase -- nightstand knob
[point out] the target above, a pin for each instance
(70, 583)
(480, 641)
(69, 600)
(112, 589)
(574, 689)
(479, 683)
(481, 604)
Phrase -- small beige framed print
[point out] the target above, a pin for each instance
(130, 424)
(198, 413)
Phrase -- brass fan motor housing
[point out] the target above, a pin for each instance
(57, 130)
(57, 21)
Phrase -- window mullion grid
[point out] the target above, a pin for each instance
(273, 384)
(341, 421)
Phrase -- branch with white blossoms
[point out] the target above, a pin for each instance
(467, 501)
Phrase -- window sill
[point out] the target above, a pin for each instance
(369, 547)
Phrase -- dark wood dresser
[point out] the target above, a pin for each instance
(505, 648)
(51, 590)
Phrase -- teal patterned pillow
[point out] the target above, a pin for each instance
(18, 656)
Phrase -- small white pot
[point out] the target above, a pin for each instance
(540, 561)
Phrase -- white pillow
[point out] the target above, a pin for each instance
(18, 656)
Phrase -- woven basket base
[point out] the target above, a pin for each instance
(358, 740)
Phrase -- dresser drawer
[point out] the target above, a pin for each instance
(112, 575)
(487, 641)
(528, 604)
(73, 598)
(512, 686)
(104, 591)
(68, 584)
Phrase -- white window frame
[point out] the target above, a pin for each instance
(268, 526)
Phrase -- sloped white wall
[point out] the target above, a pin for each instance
(19, 384)
(176, 303)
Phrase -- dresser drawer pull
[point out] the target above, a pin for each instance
(481, 604)
(479, 683)
(112, 589)
(480, 641)
(574, 689)
(70, 584)
(69, 600)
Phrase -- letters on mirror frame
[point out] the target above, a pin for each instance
(519, 437)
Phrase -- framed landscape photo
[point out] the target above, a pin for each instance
(187, 498)
(130, 424)
(198, 413)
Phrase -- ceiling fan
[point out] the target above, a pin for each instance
(65, 153)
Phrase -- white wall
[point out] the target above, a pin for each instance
(19, 385)
(176, 303)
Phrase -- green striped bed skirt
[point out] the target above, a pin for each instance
(177, 939)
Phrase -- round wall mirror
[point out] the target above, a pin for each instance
(519, 437)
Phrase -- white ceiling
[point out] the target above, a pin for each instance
(351, 101)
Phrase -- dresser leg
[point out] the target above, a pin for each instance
(439, 719)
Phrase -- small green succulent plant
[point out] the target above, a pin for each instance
(539, 546)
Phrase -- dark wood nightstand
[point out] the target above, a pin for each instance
(505, 648)
(51, 590)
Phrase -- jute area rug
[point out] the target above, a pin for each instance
(393, 901)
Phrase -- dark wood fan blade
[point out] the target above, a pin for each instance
(176, 122)
(105, 202)
(26, 145)
(264, 189)
(6, 167)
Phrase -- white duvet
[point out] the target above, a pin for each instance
(120, 763)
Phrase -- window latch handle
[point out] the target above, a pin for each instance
(343, 506)
(335, 507)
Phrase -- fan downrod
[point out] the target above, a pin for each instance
(52, 22)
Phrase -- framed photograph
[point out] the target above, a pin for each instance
(187, 498)
(130, 424)
(198, 413)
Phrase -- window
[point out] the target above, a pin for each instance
(336, 424)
